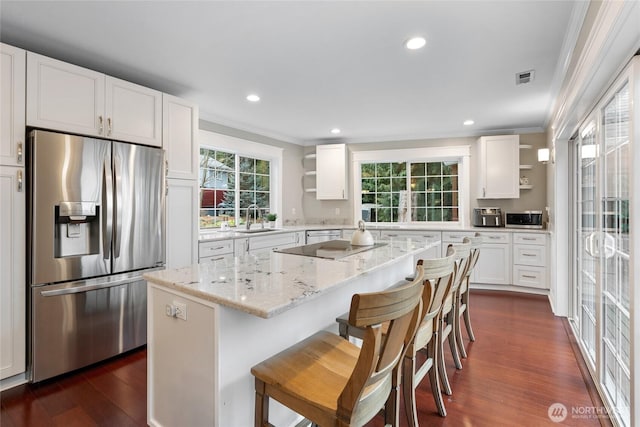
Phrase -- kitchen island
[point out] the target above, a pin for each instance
(208, 324)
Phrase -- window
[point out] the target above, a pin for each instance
(234, 174)
(427, 188)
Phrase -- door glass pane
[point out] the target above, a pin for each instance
(614, 246)
(586, 239)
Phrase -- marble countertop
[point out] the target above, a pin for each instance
(215, 234)
(268, 283)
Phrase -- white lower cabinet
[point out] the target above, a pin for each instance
(494, 263)
(182, 222)
(12, 272)
(530, 260)
(275, 241)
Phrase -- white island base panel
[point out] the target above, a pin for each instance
(199, 369)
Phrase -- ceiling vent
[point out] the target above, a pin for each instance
(525, 77)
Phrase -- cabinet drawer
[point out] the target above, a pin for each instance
(529, 238)
(492, 237)
(213, 259)
(533, 277)
(273, 241)
(529, 255)
(215, 248)
(456, 236)
(403, 234)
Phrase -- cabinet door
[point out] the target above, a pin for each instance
(494, 265)
(180, 137)
(12, 272)
(182, 223)
(64, 97)
(12, 105)
(499, 167)
(133, 113)
(331, 172)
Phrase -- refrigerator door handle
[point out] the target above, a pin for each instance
(107, 215)
(118, 206)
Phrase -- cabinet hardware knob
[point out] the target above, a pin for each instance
(20, 181)
(101, 125)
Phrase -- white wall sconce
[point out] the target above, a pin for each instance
(544, 155)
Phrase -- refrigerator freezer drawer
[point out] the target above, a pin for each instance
(75, 326)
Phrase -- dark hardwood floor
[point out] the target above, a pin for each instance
(522, 362)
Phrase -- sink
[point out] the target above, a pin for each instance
(256, 230)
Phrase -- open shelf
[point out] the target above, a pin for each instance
(310, 173)
(523, 167)
(525, 146)
(526, 187)
(309, 190)
(310, 156)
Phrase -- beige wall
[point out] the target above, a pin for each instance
(534, 199)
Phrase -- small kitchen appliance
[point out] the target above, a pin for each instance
(487, 217)
(526, 219)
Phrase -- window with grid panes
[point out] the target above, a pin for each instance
(410, 191)
(229, 183)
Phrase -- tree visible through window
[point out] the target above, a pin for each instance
(409, 191)
(222, 185)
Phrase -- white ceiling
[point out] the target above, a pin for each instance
(321, 64)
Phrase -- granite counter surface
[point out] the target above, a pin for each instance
(268, 283)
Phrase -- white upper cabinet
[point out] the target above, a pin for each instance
(499, 167)
(12, 105)
(133, 112)
(68, 98)
(331, 172)
(180, 137)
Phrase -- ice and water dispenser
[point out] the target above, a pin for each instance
(77, 229)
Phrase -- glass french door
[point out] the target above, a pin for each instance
(601, 247)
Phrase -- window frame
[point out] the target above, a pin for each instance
(242, 147)
(458, 153)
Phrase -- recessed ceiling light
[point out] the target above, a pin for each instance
(335, 131)
(468, 122)
(415, 43)
(253, 98)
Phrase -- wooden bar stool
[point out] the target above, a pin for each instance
(462, 306)
(333, 382)
(438, 276)
(446, 331)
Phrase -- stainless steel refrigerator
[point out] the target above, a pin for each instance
(96, 224)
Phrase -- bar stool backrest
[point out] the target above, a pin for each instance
(438, 277)
(370, 384)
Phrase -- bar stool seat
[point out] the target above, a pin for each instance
(332, 382)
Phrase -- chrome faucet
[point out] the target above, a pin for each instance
(256, 209)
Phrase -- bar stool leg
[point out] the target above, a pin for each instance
(444, 379)
(457, 327)
(451, 321)
(432, 351)
(467, 319)
(262, 406)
